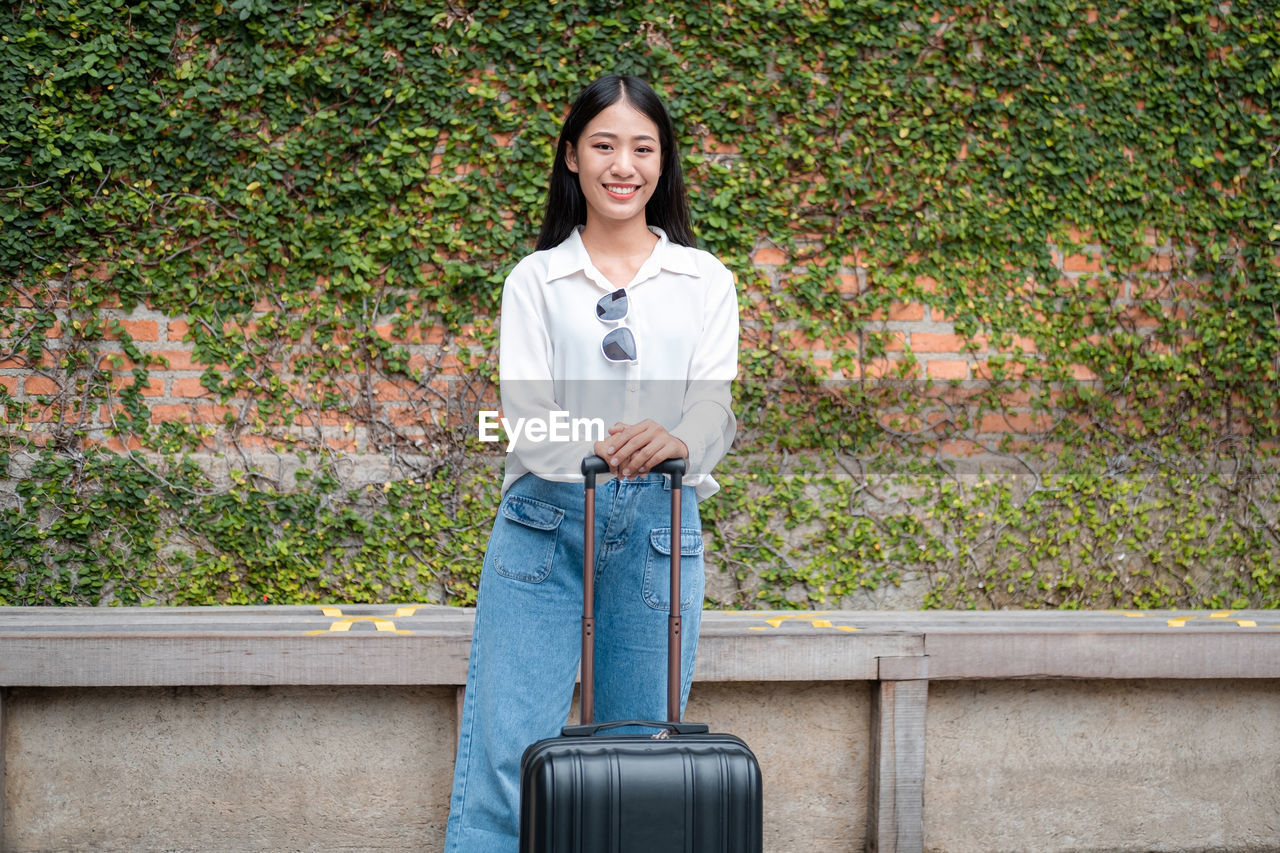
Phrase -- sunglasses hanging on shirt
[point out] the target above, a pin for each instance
(618, 345)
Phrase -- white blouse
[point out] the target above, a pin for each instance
(683, 313)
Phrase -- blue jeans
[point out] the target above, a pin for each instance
(527, 641)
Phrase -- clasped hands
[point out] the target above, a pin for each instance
(632, 449)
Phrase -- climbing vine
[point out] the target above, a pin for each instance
(1008, 274)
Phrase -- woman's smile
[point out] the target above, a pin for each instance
(621, 191)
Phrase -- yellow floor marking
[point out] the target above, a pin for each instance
(1181, 621)
(777, 621)
(407, 611)
(811, 618)
(380, 623)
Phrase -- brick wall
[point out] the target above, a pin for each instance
(384, 408)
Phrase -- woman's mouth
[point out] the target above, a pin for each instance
(622, 192)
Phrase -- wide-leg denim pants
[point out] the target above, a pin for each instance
(528, 633)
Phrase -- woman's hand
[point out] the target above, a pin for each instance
(632, 449)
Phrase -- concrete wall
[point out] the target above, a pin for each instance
(1130, 766)
(863, 744)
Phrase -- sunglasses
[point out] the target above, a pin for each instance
(618, 345)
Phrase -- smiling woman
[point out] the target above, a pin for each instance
(616, 319)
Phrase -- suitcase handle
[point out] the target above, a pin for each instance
(591, 467)
(587, 730)
(594, 465)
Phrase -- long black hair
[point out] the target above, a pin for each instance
(667, 209)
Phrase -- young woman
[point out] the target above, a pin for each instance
(617, 321)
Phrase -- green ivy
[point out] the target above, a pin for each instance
(324, 192)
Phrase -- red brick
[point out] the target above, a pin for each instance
(118, 446)
(901, 312)
(139, 330)
(892, 341)
(876, 368)
(959, 447)
(393, 391)
(9, 383)
(769, 257)
(1140, 318)
(1009, 370)
(345, 444)
(894, 369)
(466, 337)
(823, 366)
(322, 418)
(153, 388)
(407, 416)
(711, 145)
(901, 422)
(795, 339)
(189, 414)
(1082, 263)
(44, 414)
(42, 385)
(176, 359)
(1082, 373)
(116, 361)
(948, 369)
(188, 389)
(930, 342)
(1024, 344)
(178, 329)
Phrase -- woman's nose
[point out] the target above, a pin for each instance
(622, 164)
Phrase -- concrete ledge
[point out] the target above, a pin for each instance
(243, 729)
(429, 644)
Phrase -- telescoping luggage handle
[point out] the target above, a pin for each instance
(591, 466)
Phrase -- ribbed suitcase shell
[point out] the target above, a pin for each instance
(692, 793)
(682, 791)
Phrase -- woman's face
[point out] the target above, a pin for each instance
(618, 161)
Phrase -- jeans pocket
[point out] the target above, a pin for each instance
(523, 546)
(657, 568)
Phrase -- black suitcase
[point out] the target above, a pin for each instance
(679, 790)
